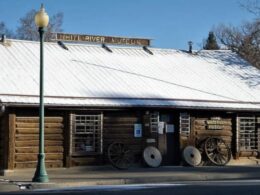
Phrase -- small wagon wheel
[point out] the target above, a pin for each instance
(217, 151)
(119, 155)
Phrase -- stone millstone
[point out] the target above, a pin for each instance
(191, 156)
(152, 156)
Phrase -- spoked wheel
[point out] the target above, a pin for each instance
(120, 156)
(217, 151)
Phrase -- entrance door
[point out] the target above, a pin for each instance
(168, 139)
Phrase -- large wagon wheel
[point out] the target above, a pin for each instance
(217, 151)
(119, 155)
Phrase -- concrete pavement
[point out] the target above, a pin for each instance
(106, 175)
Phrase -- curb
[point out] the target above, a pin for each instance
(144, 180)
(8, 186)
(62, 178)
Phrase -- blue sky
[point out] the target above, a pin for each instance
(170, 23)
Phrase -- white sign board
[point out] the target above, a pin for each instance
(138, 130)
(160, 127)
(150, 140)
(169, 128)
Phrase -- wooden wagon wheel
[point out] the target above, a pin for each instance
(119, 155)
(217, 151)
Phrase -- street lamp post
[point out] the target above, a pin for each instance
(41, 20)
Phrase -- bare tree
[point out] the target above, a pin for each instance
(28, 30)
(253, 6)
(54, 25)
(5, 31)
(244, 39)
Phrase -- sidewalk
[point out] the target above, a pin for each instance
(106, 175)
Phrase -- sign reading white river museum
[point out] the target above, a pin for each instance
(101, 39)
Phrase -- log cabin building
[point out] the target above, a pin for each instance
(95, 96)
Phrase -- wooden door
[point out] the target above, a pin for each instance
(168, 139)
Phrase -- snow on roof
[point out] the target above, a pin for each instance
(89, 75)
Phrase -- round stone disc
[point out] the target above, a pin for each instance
(152, 156)
(191, 156)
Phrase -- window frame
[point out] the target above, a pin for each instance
(154, 121)
(247, 134)
(184, 116)
(83, 125)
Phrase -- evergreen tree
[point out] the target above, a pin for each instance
(211, 42)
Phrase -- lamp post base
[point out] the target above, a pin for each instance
(40, 173)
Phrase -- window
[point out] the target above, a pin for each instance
(248, 138)
(185, 124)
(86, 134)
(154, 121)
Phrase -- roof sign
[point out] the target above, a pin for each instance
(101, 39)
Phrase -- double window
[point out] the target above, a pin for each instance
(86, 133)
(248, 136)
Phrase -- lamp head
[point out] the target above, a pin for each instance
(41, 18)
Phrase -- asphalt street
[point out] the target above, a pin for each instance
(245, 187)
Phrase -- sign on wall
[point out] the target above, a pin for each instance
(138, 130)
(215, 124)
(101, 39)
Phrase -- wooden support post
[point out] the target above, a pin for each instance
(146, 125)
(11, 141)
(237, 138)
(4, 142)
(192, 132)
(258, 135)
(69, 135)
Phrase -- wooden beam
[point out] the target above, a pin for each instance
(11, 141)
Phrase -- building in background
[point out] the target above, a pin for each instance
(97, 94)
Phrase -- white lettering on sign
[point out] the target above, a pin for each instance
(102, 39)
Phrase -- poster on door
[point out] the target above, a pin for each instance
(169, 128)
(160, 127)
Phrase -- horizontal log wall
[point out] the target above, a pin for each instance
(26, 139)
(201, 130)
(119, 127)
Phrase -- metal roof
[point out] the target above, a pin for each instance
(89, 75)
